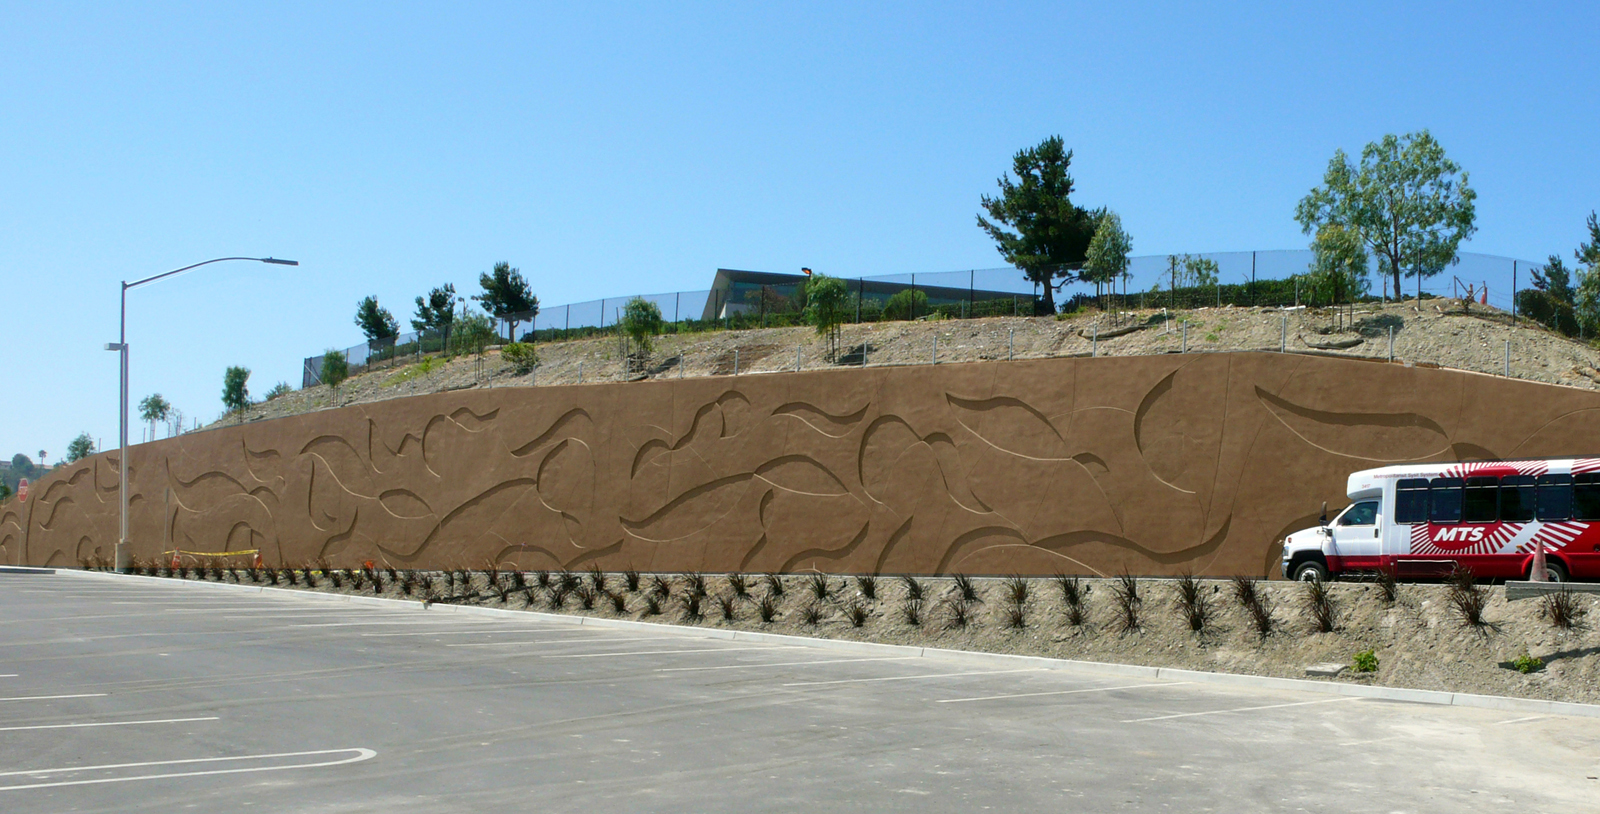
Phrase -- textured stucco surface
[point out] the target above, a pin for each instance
(1154, 465)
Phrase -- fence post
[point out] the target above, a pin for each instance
(1011, 345)
(1185, 337)
(936, 349)
(1283, 336)
(861, 293)
(1513, 292)
(972, 283)
(797, 358)
(1094, 344)
(1508, 358)
(735, 361)
(1391, 343)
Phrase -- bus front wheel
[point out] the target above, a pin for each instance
(1553, 571)
(1311, 571)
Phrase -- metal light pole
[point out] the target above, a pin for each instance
(121, 346)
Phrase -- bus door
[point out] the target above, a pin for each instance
(1358, 536)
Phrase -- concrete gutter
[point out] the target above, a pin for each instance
(1438, 697)
(24, 569)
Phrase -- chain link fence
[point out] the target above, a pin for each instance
(1276, 278)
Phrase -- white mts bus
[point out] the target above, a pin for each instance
(1427, 519)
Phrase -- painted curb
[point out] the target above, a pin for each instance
(1401, 694)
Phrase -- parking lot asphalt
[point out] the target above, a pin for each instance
(130, 695)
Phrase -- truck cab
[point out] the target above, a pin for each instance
(1351, 541)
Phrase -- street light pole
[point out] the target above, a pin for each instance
(121, 346)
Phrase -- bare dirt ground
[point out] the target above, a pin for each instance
(1438, 333)
(1420, 639)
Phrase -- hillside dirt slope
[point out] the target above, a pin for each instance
(1421, 639)
(1438, 333)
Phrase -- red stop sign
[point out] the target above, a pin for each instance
(22, 490)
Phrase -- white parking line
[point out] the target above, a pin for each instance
(780, 664)
(558, 641)
(912, 678)
(1523, 720)
(670, 652)
(107, 723)
(1240, 709)
(52, 697)
(483, 628)
(361, 754)
(1058, 692)
(365, 624)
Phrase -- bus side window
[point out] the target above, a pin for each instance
(1586, 496)
(1444, 499)
(1482, 500)
(1516, 498)
(1555, 497)
(1411, 501)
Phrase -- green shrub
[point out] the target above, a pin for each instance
(1526, 663)
(1366, 661)
(908, 303)
(279, 389)
(522, 357)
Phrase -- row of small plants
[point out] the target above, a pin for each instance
(822, 597)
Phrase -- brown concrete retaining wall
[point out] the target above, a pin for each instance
(1156, 465)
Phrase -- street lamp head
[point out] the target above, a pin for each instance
(276, 261)
(115, 345)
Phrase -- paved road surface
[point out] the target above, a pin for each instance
(124, 695)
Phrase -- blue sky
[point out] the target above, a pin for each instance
(608, 149)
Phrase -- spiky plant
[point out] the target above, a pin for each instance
(767, 608)
(619, 601)
(911, 612)
(271, 574)
(394, 576)
(652, 604)
(358, 581)
(689, 601)
(1467, 597)
(1319, 606)
(1563, 610)
(568, 580)
(290, 576)
(728, 604)
(694, 582)
(739, 584)
(660, 586)
(1128, 602)
(957, 614)
(1194, 602)
(335, 579)
(426, 581)
(541, 579)
(1072, 597)
(774, 584)
(377, 583)
(966, 589)
(586, 596)
(1260, 612)
(855, 613)
(310, 576)
(1016, 616)
(1245, 590)
(597, 578)
(1388, 584)
(819, 585)
(491, 573)
(630, 579)
(811, 614)
(867, 586)
(1016, 589)
(556, 597)
(914, 589)
(518, 581)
